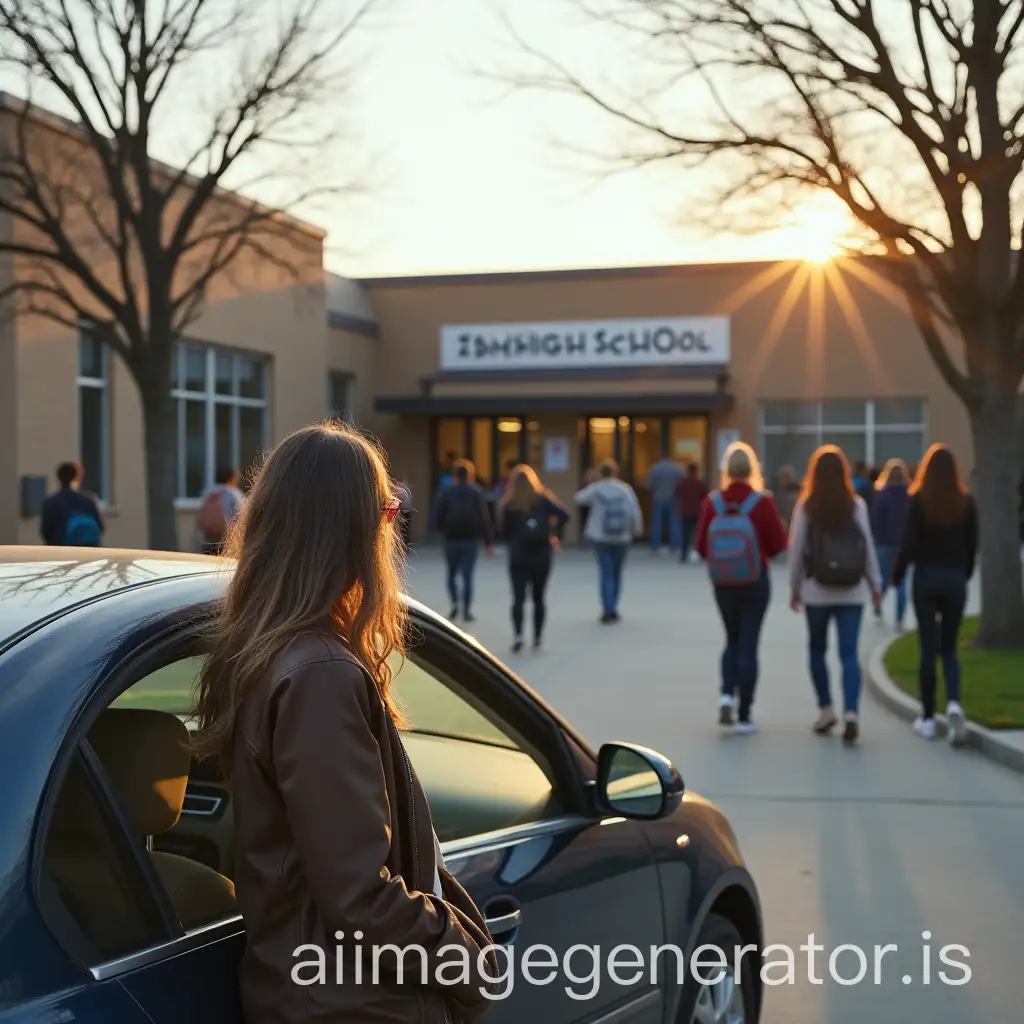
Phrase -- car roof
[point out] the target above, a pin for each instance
(38, 583)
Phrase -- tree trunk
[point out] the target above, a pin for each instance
(161, 443)
(997, 468)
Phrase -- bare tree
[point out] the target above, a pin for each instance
(911, 112)
(105, 236)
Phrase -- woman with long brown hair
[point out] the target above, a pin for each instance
(531, 519)
(334, 843)
(941, 542)
(833, 575)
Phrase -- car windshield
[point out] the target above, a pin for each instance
(427, 705)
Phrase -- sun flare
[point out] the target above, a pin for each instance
(817, 231)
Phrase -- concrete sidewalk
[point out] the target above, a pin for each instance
(870, 845)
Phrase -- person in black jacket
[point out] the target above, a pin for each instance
(531, 521)
(941, 542)
(70, 516)
(464, 521)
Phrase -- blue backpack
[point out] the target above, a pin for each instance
(733, 550)
(81, 531)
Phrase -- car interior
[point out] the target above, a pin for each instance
(477, 775)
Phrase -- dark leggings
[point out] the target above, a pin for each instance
(940, 594)
(533, 574)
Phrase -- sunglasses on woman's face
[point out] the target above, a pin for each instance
(391, 509)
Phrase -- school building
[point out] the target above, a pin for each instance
(559, 369)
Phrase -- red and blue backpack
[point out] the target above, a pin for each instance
(733, 551)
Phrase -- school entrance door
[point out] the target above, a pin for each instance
(637, 443)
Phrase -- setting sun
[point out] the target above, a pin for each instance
(817, 230)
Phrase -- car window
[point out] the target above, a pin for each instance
(171, 688)
(88, 866)
(430, 706)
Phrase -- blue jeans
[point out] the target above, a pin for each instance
(461, 558)
(742, 610)
(886, 563)
(848, 617)
(662, 509)
(610, 560)
(940, 593)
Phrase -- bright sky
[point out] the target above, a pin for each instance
(461, 173)
(472, 181)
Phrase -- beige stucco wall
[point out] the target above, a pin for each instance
(799, 331)
(354, 353)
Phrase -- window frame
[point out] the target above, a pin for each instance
(211, 399)
(348, 379)
(102, 385)
(870, 429)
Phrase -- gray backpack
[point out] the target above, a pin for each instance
(837, 558)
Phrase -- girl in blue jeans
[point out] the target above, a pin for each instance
(833, 574)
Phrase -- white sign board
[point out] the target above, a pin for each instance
(661, 341)
(556, 455)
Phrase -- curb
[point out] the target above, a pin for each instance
(985, 741)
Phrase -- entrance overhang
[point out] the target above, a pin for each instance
(523, 404)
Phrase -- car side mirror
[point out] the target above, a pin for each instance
(636, 782)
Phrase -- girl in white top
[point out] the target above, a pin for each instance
(833, 572)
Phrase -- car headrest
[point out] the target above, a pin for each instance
(146, 755)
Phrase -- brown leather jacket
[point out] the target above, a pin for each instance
(333, 834)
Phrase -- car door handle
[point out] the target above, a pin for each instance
(503, 918)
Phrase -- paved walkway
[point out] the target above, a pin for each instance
(868, 846)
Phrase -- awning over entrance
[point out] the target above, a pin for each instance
(524, 404)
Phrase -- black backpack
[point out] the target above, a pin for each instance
(533, 531)
(462, 516)
(837, 558)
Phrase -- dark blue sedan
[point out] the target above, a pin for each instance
(116, 852)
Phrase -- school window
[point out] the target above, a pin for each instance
(340, 387)
(221, 399)
(871, 431)
(94, 415)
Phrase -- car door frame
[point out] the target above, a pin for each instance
(569, 759)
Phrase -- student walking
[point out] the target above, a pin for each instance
(739, 533)
(531, 521)
(332, 826)
(833, 574)
(220, 507)
(464, 521)
(941, 543)
(614, 520)
(888, 524)
(662, 480)
(70, 517)
(690, 494)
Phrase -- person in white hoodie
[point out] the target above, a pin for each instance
(615, 519)
(833, 573)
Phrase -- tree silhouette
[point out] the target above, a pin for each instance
(106, 237)
(911, 112)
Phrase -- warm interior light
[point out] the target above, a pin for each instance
(623, 421)
(602, 426)
(509, 426)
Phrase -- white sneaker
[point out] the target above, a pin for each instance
(726, 705)
(957, 722)
(925, 727)
(745, 728)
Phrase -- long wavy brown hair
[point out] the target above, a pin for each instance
(942, 490)
(523, 490)
(828, 493)
(314, 552)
